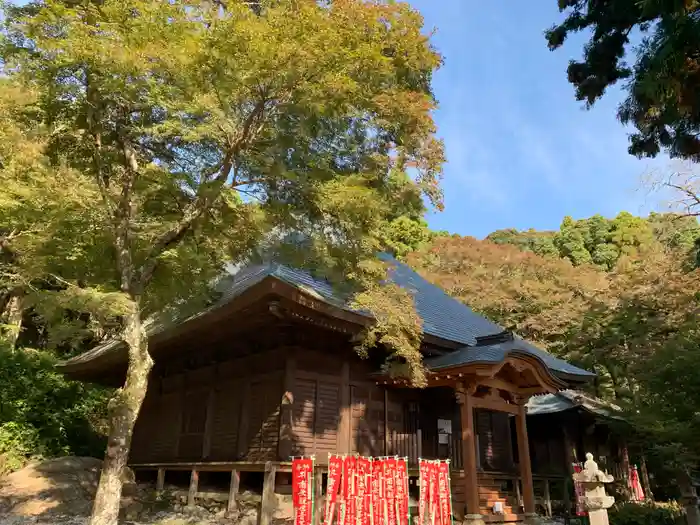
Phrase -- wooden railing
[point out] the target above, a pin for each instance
(405, 444)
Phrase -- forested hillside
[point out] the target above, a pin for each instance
(620, 296)
(602, 242)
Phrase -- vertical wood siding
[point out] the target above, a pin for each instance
(226, 420)
(264, 411)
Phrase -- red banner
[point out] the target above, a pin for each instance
(424, 496)
(349, 491)
(390, 490)
(335, 471)
(377, 485)
(444, 493)
(364, 493)
(434, 495)
(302, 490)
(401, 492)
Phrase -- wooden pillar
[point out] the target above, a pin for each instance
(471, 487)
(524, 456)
(267, 506)
(345, 423)
(286, 437)
(160, 481)
(318, 494)
(547, 498)
(194, 483)
(232, 505)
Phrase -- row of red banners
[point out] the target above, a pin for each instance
(435, 498)
(372, 491)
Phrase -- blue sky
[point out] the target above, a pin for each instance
(521, 151)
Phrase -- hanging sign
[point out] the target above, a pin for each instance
(444, 492)
(302, 490)
(401, 492)
(335, 472)
(390, 490)
(377, 489)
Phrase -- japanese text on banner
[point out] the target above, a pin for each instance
(302, 490)
(335, 471)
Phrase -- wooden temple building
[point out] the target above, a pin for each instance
(269, 372)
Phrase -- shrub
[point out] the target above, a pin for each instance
(42, 414)
(645, 514)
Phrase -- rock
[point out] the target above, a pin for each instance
(62, 486)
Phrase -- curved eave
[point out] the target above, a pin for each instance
(546, 380)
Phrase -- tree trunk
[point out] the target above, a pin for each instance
(12, 317)
(124, 410)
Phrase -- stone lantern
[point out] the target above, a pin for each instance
(595, 500)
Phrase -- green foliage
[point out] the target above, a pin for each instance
(604, 242)
(42, 414)
(661, 74)
(571, 242)
(645, 514)
(404, 235)
(541, 243)
(169, 139)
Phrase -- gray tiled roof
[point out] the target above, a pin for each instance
(570, 399)
(495, 353)
(443, 316)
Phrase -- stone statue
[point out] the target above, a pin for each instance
(591, 472)
(595, 500)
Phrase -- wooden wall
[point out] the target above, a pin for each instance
(226, 412)
(269, 406)
(337, 408)
(297, 401)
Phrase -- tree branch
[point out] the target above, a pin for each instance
(208, 193)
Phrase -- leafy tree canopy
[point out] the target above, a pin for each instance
(661, 73)
(603, 242)
(635, 324)
(169, 139)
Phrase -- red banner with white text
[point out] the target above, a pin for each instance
(349, 491)
(373, 491)
(424, 494)
(390, 490)
(401, 492)
(435, 496)
(364, 493)
(303, 490)
(335, 472)
(444, 493)
(377, 485)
